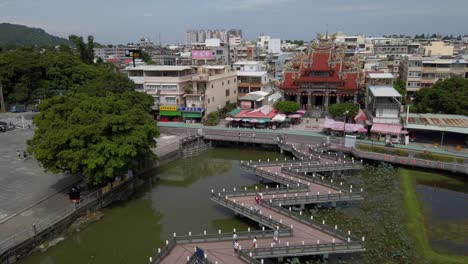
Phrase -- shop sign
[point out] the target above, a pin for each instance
(168, 108)
(191, 109)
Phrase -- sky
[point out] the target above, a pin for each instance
(119, 21)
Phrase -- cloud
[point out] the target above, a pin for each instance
(251, 4)
(4, 4)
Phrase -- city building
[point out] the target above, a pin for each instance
(167, 85)
(244, 52)
(438, 48)
(269, 44)
(423, 72)
(251, 77)
(213, 86)
(383, 102)
(213, 51)
(353, 44)
(322, 76)
(199, 36)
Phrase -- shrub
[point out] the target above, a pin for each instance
(378, 149)
(212, 119)
(431, 156)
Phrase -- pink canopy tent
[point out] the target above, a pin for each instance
(338, 126)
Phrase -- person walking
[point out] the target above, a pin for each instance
(234, 237)
(275, 236)
(254, 242)
(257, 199)
(236, 247)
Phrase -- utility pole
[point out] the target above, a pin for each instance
(2, 100)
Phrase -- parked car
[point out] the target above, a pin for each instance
(17, 109)
(3, 126)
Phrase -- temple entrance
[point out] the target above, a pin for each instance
(332, 98)
(319, 99)
(304, 100)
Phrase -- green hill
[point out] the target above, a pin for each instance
(11, 34)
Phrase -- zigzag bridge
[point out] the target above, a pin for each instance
(299, 182)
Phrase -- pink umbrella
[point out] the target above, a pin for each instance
(362, 130)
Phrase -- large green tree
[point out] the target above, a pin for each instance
(400, 86)
(448, 96)
(343, 110)
(28, 74)
(287, 106)
(100, 137)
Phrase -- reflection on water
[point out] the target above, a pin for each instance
(179, 202)
(445, 205)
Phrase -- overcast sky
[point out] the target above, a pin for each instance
(119, 21)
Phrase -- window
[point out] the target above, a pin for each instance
(414, 74)
(235, 91)
(212, 86)
(222, 83)
(212, 99)
(229, 81)
(169, 87)
(208, 100)
(219, 52)
(170, 99)
(228, 92)
(235, 80)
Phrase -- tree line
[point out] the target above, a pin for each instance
(91, 122)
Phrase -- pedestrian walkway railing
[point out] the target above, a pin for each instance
(337, 166)
(248, 212)
(40, 226)
(306, 249)
(267, 191)
(430, 164)
(271, 176)
(319, 198)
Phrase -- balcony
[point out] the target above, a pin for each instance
(200, 78)
(249, 84)
(160, 79)
(137, 79)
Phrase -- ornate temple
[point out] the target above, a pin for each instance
(322, 76)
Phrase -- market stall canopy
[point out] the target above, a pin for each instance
(338, 126)
(386, 129)
(229, 119)
(279, 118)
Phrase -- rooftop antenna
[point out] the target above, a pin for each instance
(326, 34)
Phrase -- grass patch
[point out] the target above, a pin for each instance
(384, 150)
(432, 156)
(415, 223)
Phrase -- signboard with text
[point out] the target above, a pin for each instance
(202, 54)
(168, 108)
(191, 109)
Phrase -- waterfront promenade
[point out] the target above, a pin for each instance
(314, 139)
(299, 235)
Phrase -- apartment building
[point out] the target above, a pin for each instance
(212, 51)
(213, 86)
(353, 44)
(438, 48)
(269, 44)
(167, 85)
(423, 72)
(383, 102)
(251, 77)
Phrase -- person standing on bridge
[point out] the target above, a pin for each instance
(234, 237)
(236, 247)
(257, 199)
(275, 236)
(254, 242)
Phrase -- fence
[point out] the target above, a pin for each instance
(429, 164)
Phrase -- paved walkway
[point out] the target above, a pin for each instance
(28, 195)
(314, 133)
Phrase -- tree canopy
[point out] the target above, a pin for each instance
(28, 74)
(287, 106)
(100, 137)
(343, 109)
(448, 96)
(400, 86)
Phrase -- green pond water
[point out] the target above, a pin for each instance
(131, 231)
(177, 199)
